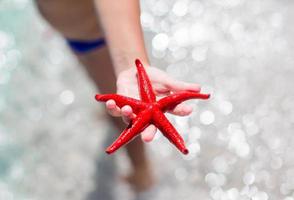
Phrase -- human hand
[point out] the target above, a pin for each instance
(162, 85)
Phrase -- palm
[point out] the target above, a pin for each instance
(127, 82)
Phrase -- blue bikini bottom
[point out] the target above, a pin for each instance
(85, 46)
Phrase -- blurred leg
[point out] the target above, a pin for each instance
(76, 19)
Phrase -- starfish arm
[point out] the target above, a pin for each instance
(171, 101)
(121, 101)
(168, 130)
(133, 129)
(145, 87)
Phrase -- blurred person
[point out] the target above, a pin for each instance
(107, 37)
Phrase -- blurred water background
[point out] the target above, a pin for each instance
(52, 132)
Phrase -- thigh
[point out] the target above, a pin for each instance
(75, 19)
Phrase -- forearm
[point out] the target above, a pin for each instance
(121, 24)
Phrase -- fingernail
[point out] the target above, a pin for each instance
(147, 139)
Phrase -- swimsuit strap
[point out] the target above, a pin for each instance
(85, 46)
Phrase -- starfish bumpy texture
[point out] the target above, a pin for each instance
(149, 111)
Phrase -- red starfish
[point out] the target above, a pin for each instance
(149, 111)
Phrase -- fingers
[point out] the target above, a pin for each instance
(112, 108)
(172, 84)
(148, 133)
(125, 112)
(175, 85)
(182, 110)
(160, 89)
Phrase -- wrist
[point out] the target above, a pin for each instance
(125, 60)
